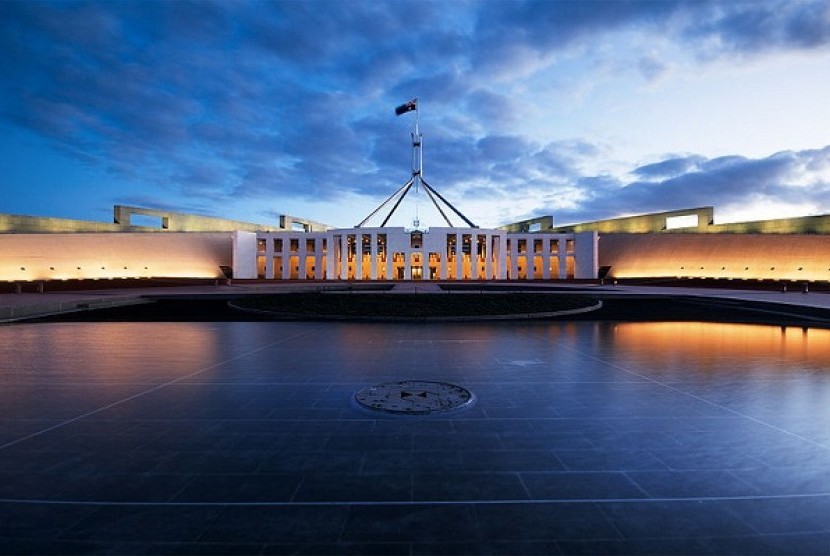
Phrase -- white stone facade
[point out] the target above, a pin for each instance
(399, 254)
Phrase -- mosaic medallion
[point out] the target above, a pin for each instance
(414, 397)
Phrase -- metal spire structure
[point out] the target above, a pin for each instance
(417, 178)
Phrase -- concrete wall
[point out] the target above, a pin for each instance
(586, 254)
(179, 222)
(21, 224)
(661, 222)
(656, 222)
(736, 256)
(800, 225)
(160, 221)
(30, 257)
(244, 255)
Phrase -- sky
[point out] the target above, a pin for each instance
(582, 110)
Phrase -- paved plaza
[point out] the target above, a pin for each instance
(582, 437)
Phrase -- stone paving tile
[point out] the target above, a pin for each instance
(787, 480)
(539, 522)
(597, 459)
(468, 487)
(775, 516)
(511, 461)
(674, 520)
(627, 547)
(282, 524)
(404, 461)
(771, 545)
(692, 484)
(120, 524)
(343, 487)
(449, 547)
(258, 487)
(243, 437)
(289, 461)
(39, 521)
(342, 548)
(581, 486)
(422, 523)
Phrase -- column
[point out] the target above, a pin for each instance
(286, 257)
(269, 255)
(459, 257)
(344, 257)
(373, 256)
(546, 257)
(502, 256)
(301, 255)
(474, 256)
(330, 257)
(514, 258)
(319, 259)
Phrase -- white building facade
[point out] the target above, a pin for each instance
(401, 254)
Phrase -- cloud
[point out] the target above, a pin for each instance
(225, 101)
(753, 27)
(669, 168)
(652, 67)
(789, 178)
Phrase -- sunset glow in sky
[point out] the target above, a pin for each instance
(579, 109)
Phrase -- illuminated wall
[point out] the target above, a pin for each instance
(34, 257)
(735, 256)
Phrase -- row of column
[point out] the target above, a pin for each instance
(330, 252)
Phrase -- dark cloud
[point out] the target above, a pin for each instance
(752, 27)
(508, 30)
(492, 108)
(669, 168)
(261, 100)
(693, 181)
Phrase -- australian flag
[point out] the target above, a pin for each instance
(407, 107)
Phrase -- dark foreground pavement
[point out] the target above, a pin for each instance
(598, 437)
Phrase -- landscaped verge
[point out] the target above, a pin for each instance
(424, 306)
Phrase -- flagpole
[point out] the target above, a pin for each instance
(417, 178)
(417, 155)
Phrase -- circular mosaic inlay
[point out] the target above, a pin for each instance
(414, 397)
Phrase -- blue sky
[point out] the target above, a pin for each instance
(582, 109)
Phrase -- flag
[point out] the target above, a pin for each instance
(408, 107)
